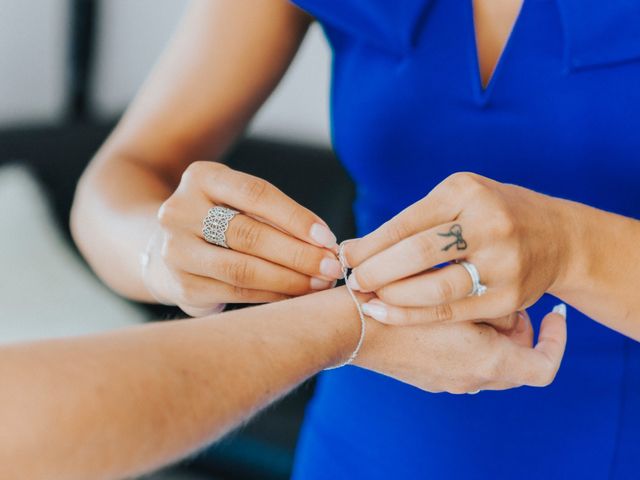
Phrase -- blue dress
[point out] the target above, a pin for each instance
(560, 116)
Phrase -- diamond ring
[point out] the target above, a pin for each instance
(215, 225)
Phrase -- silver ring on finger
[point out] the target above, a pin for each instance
(477, 288)
(475, 392)
(215, 225)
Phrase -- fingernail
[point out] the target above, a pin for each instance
(560, 309)
(521, 326)
(323, 235)
(319, 284)
(330, 267)
(353, 283)
(219, 308)
(377, 311)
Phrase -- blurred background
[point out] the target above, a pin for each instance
(69, 69)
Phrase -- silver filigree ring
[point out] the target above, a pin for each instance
(477, 288)
(215, 225)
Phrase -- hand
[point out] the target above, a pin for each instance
(277, 248)
(515, 237)
(465, 357)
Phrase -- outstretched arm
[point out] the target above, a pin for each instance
(123, 403)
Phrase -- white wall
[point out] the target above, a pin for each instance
(131, 35)
(32, 60)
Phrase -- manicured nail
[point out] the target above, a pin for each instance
(353, 283)
(319, 284)
(560, 309)
(521, 326)
(377, 311)
(330, 267)
(323, 235)
(219, 308)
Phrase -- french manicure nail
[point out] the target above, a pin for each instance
(560, 309)
(219, 308)
(521, 326)
(330, 267)
(319, 284)
(323, 235)
(375, 310)
(353, 283)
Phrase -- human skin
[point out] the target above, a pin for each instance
(523, 244)
(126, 402)
(147, 187)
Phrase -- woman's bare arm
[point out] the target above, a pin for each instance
(123, 403)
(224, 60)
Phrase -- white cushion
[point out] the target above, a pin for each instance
(45, 290)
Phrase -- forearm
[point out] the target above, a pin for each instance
(120, 404)
(113, 217)
(601, 277)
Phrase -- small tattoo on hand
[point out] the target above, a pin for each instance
(455, 231)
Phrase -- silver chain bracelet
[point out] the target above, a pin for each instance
(363, 323)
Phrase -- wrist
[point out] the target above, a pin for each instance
(572, 219)
(342, 326)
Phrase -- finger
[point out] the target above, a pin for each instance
(412, 255)
(437, 286)
(196, 256)
(522, 331)
(200, 296)
(251, 194)
(197, 312)
(443, 204)
(505, 324)
(250, 236)
(538, 366)
(489, 307)
(497, 386)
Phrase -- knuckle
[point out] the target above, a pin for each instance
(300, 259)
(443, 312)
(240, 293)
(503, 224)
(297, 216)
(195, 170)
(168, 212)
(462, 181)
(395, 231)
(444, 291)
(426, 248)
(253, 189)
(247, 235)
(239, 273)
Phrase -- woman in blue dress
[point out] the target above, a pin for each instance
(538, 99)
